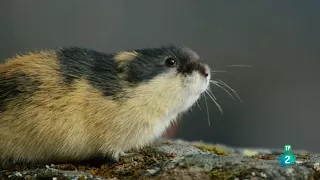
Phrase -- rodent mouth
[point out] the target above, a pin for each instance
(201, 82)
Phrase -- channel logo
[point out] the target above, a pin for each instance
(287, 158)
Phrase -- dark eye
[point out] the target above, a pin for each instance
(170, 62)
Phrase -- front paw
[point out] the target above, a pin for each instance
(115, 157)
(127, 157)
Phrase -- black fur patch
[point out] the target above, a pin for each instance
(101, 70)
(151, 62)
(188, 60)
(98, 68)
(17, 87)
(148, 64)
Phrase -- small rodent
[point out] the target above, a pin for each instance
(74, 103)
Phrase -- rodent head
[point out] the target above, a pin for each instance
(169, 70)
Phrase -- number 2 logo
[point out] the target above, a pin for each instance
(287, 161)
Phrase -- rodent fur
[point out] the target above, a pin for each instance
(75, 103)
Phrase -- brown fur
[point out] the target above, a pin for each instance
(59, 122)
(126, 56)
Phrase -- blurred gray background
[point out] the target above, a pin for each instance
(280, 39)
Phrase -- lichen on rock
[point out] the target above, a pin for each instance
(180, 160)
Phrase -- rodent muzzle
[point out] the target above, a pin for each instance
(204, 70)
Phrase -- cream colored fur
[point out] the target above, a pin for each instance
(60, 123)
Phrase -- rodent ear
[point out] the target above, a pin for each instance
(125, 56)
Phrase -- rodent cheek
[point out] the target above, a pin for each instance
(195, 83)
(204, 83)
(208, 79)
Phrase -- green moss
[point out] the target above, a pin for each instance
(233, 172)
(264, 157)
(304, 156)
(50, 175)
(130, 167)
(211, 148)
(82, 178)
(68, 167)
(315, 175)
(221, 174)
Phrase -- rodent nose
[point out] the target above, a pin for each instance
(204, 71)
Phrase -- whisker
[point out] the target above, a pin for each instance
(227, 86)
(205, 100)
(217, 71)
(238, 65)
(209, 91)
(198, 105)
(220, 86)
(214, 100)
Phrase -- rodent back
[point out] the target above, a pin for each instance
(110, 73)
(99, 69)
(16, 88)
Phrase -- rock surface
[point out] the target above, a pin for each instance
(181, 160)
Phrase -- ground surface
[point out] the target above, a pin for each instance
(181, 160)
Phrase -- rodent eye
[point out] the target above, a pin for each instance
(170, 61)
